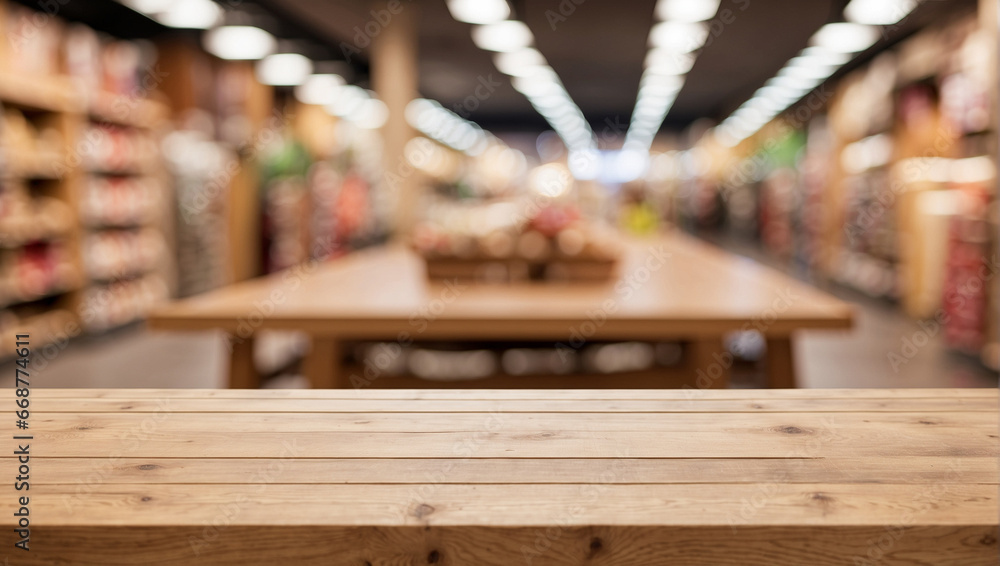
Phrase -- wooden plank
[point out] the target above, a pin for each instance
(811, 424)
(596, 545)
(88, 471)
(592, 394)
(554, 404)
(262, 503)
(355, 477)
(492, 441)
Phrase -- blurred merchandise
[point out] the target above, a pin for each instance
(121, 302)
(490, 242)
(202, 171)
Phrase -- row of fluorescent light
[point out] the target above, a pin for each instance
(673, 42)
(830, 48)
(446, 127)
(183, 14)
(530, 73)
(249, 43)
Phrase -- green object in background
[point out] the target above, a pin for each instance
(289, 159)
(784, 151)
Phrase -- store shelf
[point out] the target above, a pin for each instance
(45, 329)
(129, 111)
(33, 165)
(47, 94)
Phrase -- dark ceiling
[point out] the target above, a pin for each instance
(597, 49)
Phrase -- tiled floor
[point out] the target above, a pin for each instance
(136, 357)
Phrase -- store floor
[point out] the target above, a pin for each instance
(873, 354)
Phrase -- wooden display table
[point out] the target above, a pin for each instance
(669, 288)
(602, 477)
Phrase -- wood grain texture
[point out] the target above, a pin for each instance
(897, 394)
(699, 403)
(783, 477)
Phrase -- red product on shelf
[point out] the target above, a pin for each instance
(969, 271)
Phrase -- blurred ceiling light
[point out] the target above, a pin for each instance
(284, 69)
(349, 100)
(508, 35)
(191, 14)
(479, 11)
(666, 62)
(149, 7)
(662, 85)
(372, 114)
(534, 85)
(830, 48)
(678, 37)
(687, 10)
(239, 42)
(522, 62)
(801, 84)
(446, 127)
(806, 69)
(825, 56)
(878, 12)
(844, 37)
(626, 165)
(319, 89)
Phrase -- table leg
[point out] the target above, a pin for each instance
(780, 363)
(242, 372)
(708, 362)
(323, 365)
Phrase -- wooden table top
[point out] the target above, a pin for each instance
(510, 476)
(670, 286)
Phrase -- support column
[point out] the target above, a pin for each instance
(394, 73)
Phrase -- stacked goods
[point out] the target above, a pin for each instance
(34, 271)
(121, 254)
(554, 243)
(82, 198)
(120, 201)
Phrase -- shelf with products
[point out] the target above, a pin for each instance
(82, 202)
(45, 326)
(894, 190)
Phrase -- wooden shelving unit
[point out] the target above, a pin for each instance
(46, 163)
(137, 278)
(40, 265)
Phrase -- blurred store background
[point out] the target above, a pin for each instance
(159, 149)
